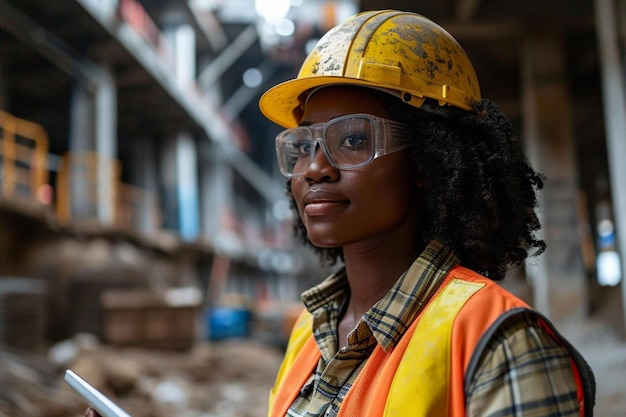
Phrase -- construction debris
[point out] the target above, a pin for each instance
(229, 378)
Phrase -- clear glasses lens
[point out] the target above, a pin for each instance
(348, 142)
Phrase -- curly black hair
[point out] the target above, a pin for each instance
(479, 193)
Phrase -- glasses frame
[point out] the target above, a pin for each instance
(389, 136)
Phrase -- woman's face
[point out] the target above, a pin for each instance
(367, 205)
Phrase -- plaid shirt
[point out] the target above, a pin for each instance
(522, 372)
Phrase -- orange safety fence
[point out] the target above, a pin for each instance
(23, 157)
(86, 181)
(89, 181)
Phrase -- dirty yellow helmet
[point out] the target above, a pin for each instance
(403, 53)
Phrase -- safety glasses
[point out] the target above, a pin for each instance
(348, 142)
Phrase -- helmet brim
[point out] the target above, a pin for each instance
(283, 104)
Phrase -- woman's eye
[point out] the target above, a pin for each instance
(353, 141)
(303, 147)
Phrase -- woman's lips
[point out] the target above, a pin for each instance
(320, 203)
(322, 208)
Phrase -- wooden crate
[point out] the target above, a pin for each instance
(148, 319)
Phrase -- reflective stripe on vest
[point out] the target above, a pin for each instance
(437, 323)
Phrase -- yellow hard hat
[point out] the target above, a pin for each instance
(400, 52)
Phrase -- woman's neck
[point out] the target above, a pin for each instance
(372, 271)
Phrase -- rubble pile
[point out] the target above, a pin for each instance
(230, 378)
(29, 387)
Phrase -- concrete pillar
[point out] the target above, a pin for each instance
(82, 204)
(82, 111)
(93, 129)
(180, 185)
(557, 277)
(106, 143)
(167, 154)
(181, 39)
(142, 171)
(185, 55)
(216, 193)
(610, 20)
(187, 174)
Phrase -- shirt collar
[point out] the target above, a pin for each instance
(332, 289)
(392, 315)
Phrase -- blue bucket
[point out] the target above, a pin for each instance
(227, 322)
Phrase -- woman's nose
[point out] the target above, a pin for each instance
(320, 168)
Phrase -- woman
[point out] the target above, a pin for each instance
(400, 171)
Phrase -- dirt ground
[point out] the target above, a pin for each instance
(219, 379)
(226, 379)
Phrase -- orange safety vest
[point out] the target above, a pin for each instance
(432, 360)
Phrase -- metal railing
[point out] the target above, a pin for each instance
(88, 184)
(23, 157)
(87, 187)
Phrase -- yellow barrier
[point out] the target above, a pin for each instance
(23, 153)
(86, 181)
(81, 180)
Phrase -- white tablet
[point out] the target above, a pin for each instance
(96, 400)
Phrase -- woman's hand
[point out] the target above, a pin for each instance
(91, 413)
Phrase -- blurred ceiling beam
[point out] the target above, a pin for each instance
(212, 72)
(466, 9)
